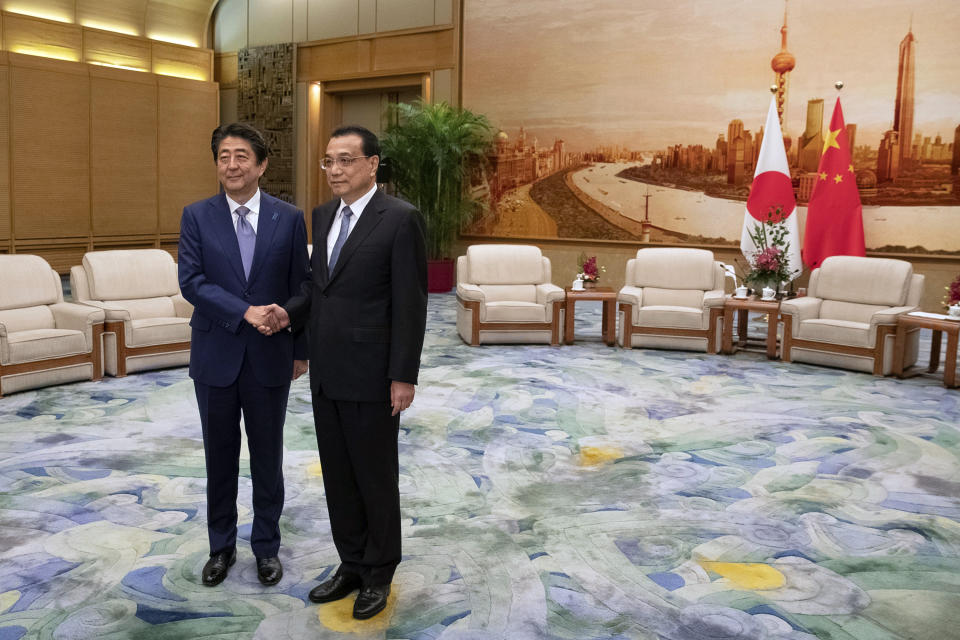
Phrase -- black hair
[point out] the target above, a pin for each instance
(240, 130)
(371, 145)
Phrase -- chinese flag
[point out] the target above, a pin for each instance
(834, 214)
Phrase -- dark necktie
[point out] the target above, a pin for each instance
(341, 238)
(247, 238)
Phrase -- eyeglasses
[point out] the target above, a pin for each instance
(344, 162)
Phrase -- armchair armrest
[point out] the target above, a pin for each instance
(183, 308)
(470, 292)
(800, 309)
(714, 298)
(111, 312)
(889, 316)
(78, 317)
(547, 293)
(631, 295)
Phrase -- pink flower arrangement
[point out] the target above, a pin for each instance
(589, 269)
(953, 293)
(768, 260)
(769, 266)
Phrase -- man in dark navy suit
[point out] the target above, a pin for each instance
(366, 307)
(240, 250)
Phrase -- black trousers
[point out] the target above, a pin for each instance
(357, 442)
(263, 409)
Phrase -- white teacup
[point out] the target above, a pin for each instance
(768, 293)
(741, 292)
(577, 285)
(954, 311)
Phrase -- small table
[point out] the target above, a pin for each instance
(743, 307)
(939, 324)
(607, 296)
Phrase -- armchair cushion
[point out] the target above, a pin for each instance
(129, 274)
(504, 264)
(674, 269)
(28, 281)
(43, 344)
(871, 281)
(32, 317)
(836, 332)
(671, 317)
(514, 311)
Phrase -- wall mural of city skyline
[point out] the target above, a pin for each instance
(635, 122)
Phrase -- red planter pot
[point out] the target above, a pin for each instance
(439, 276)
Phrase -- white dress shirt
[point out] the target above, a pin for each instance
(253, 204)
(357, 208)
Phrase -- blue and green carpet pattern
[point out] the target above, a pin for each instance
(571, 492)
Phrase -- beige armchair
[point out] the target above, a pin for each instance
(672, 300)
(849, 316)
(504, 295)
(147, 320)
(43, 340)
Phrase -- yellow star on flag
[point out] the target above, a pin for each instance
(823, 176)
(831, 140)
(850, 169)
(838, 178)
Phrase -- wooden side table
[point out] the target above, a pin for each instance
(607, 296)
(743, 307)
(939, 325)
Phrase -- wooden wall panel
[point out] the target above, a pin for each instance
(50, 148)
(187, 115)
(185, 62)
(333, 61)
(101, 47)
(4, 156)
(24, 34)
(124, 16)
(366, 56)
(123, 158)
(416, 50)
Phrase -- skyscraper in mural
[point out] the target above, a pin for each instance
(903, 110)
(811, 142)
(782, 64)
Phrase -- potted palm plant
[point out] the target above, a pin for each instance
(431, 149)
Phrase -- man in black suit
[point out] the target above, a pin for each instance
(240, 250)
(366, 310)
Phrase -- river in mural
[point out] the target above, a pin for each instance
(693, 213)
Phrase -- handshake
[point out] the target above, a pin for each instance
(267, 319)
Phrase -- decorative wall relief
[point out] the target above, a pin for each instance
(265, 99)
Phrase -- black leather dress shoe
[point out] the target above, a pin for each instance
(269, 570)
(371, 601)
(218, 566)
(337, 587)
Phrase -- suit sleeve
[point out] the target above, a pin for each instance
(408, 271)
(299, 274)
(210, 299)
(298, 306)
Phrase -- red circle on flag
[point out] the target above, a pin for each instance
(770, 190)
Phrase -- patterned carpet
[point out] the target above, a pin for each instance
(573, 492)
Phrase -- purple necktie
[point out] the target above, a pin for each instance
(247, 238)
(344, 232)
